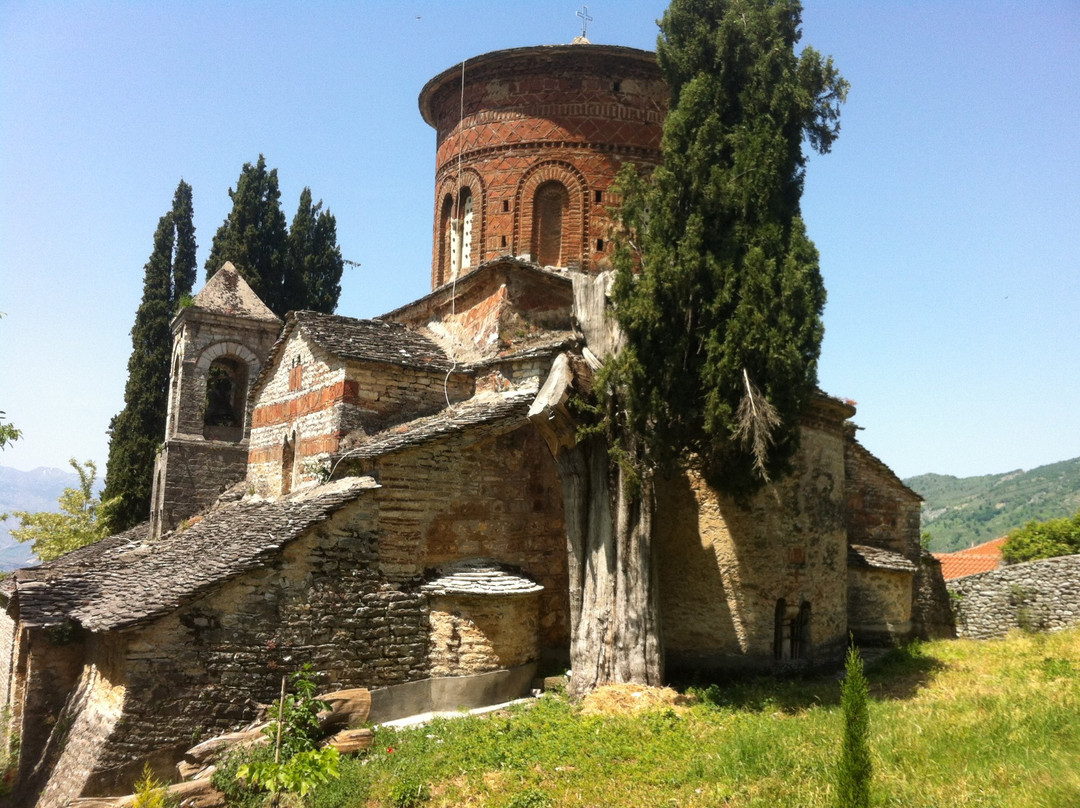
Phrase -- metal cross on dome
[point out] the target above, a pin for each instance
(585, 19)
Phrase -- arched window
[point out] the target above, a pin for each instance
(174, 397)
(800, 632)
(466, 215)
(446, 240)
(780, 638)
(226, 399)
(791, 634)
(549, 210)
(457, 234)
(288, 460)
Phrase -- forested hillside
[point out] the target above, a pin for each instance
(961, 511)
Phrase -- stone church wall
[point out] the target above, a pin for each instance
(321, 399)
(879, 605)
(724, 566)
(881, 511)
(931, 613)
(471, 635)
(48, 664)
(1034, 596)
(92, 714)
(7, 661)
(206, 667)
(498, 498)
(198, 473)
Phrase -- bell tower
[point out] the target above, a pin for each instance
(220, 343)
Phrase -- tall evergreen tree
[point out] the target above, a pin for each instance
(137, 431)
(718, 298)
(722, 306)
(315, 260)
(254, 235)
(288, 269)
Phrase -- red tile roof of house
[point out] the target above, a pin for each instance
(972, 561)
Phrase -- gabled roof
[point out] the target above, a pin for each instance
(866, 557)
(372, 340)
(484, 409)
(228, 293)
(880, 467)
(487, 273)
(126, 580)
(359, 340)
(972, 561)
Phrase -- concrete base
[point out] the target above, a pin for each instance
(450, 693)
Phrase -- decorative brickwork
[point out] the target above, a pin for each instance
(511, 120)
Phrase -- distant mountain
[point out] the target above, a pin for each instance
(961, 511)
(30, 491)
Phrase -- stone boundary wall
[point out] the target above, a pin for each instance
(1037, 595)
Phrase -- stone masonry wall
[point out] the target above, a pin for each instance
(724, 566)
(1037, 595)
(931, 614)
(7, 662)
(205, 668)
(90, 717)
(497, 498)
(881, 511)
(879, 605)
(192, 474)
(50, 662)
(472, 635)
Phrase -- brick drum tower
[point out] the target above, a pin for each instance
(529, 142)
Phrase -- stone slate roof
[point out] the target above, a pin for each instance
(371, 340)
(481, 410)
(480, 576)
(127, 580)
(228, 293)
(865, 557)
(40, 602)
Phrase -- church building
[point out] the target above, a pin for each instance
(373, 498)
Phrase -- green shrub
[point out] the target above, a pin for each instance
(238, 792)
(297, 774)
(531, 798)
(1035, 540)
(151, 792)
(408, 792)
(292, 762)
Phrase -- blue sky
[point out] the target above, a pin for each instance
(946, 215)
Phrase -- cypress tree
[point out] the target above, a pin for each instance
(854, 769)
(288, 268)
(136, 431)
(718, 297)
(254, 236)
(315, 260)
(718, 291)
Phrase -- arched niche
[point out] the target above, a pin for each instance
(553, 214)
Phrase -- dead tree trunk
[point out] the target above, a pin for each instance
(614, 603)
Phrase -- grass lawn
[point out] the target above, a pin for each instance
(957, 723)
